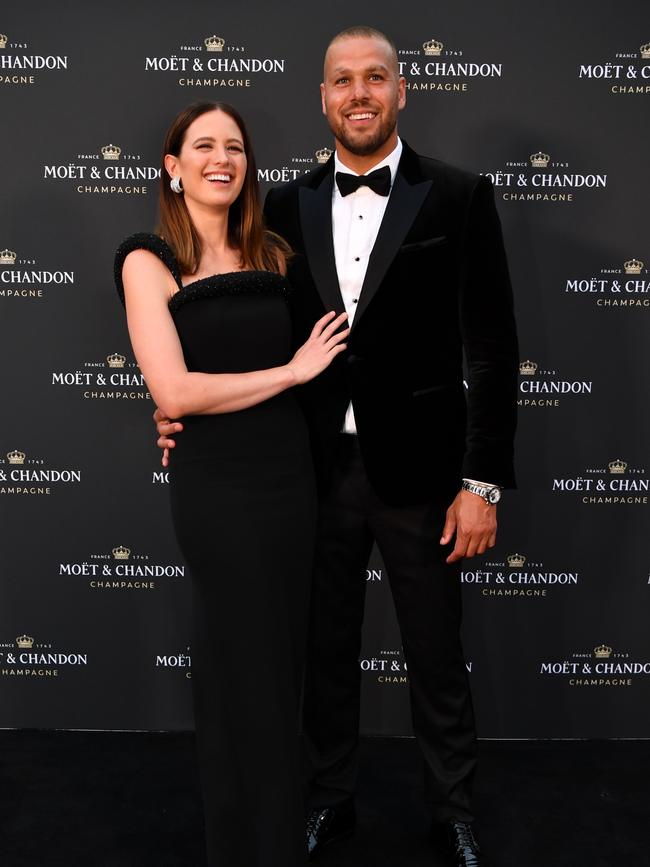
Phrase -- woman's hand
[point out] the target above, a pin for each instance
(323, 345)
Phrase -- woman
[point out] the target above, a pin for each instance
(210, 328)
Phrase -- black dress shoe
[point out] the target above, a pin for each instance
(464, 848)
(327, 825)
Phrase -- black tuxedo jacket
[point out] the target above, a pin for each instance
(436, 288)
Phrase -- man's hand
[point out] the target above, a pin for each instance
(165, 429)
(475, 523)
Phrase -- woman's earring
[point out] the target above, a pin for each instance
(176, 185)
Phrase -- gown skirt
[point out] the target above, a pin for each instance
(244, 512)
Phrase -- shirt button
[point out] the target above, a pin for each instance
(356, 258)
(355, 300)
(360, 217)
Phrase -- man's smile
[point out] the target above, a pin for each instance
(360, 117)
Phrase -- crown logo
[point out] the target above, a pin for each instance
(7, 257)
(644, 49)
(121, 553)
(527, 368)
(214, 43)
(116, 360)
(602, 651)
(3, 40)
(515, 561)
(539, 160)
(25, 642)
(323, 155)
(111, 152)
(16, 457)
(433, 47)
(617, 467)
(632, 266)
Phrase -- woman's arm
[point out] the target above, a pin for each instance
(177, 391)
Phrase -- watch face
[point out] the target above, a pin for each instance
(494, 496)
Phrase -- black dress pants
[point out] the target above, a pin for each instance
(427, 597)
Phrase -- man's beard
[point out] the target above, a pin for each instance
(363, 145)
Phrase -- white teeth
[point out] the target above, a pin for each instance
(366, 116)
(216, 177)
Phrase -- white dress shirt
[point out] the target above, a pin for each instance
(356, 219)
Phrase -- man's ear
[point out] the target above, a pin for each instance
(322, 98)
(401, 92)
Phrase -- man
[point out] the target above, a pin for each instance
(413, 252)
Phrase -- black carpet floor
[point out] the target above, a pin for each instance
(96, 799)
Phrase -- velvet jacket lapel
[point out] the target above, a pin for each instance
(315, 203)
(406, 198)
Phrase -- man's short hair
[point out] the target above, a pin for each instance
(364, 31)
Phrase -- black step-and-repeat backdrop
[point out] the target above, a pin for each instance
(552, 103)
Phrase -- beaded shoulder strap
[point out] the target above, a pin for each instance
(144, 241)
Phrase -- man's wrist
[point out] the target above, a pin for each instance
(489, 492)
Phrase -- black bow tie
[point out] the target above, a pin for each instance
(378, 181)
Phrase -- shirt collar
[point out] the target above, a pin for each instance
(392, 161)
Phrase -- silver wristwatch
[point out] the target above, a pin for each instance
(490, 493)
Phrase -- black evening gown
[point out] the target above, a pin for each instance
(244, 510)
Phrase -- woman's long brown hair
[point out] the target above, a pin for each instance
(260, 249)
